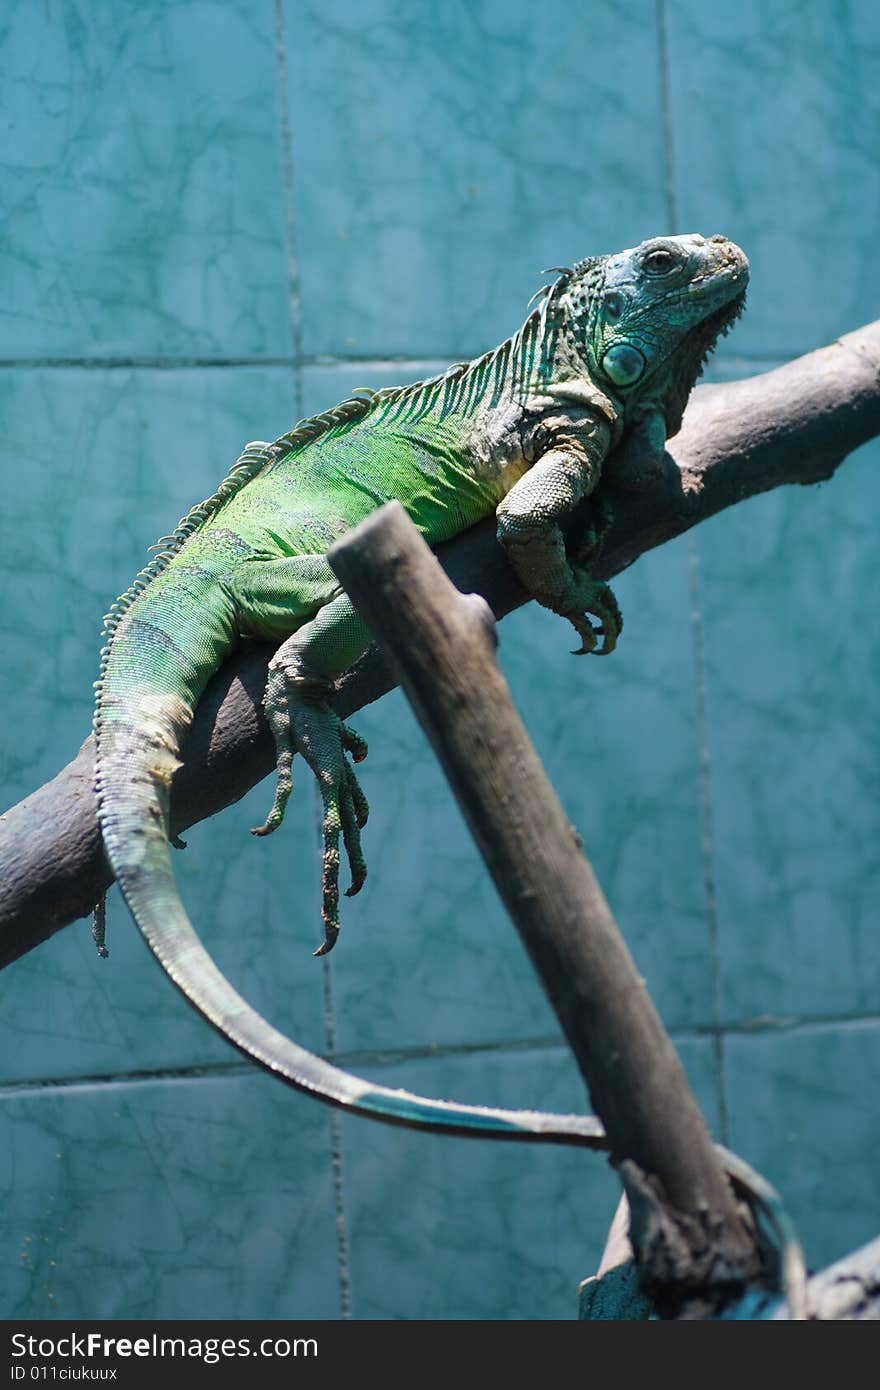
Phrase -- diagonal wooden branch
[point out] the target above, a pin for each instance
(792, 425)
(698, 1251)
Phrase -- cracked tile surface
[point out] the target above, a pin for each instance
(387, 212)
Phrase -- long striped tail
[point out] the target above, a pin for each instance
(139, 730)
(135, 767)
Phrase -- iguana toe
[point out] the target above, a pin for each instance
(354, 817)
(330, 935)
(587, 633)
(596, 599)
(353, 743)
(283, 788)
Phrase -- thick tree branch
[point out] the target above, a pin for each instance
(848, 1291)
(792, 425)
(699, 1251)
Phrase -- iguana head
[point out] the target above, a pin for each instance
(643, 321)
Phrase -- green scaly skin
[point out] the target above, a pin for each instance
(604, 363)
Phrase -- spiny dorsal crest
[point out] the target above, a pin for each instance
(250, 462)
(568, 314)
(253, 460)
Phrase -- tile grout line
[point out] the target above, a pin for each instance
(666, 117)
(342, 1244)
(707, 837)
(294, 284)
(336, 1145)
(334, 1119)
(707, 847)
(417, 362)
(757, 1027)
(295, 302)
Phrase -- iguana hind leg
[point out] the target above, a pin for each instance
(299, 715)
(270, 597)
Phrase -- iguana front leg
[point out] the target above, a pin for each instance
(528, 527)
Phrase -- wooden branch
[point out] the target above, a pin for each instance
(792, 425)
(846, 1291)
(441, 645)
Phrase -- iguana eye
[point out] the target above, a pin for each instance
(614, 303)
(623, 364)
(658, 262)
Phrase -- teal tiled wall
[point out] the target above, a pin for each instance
(222, 215)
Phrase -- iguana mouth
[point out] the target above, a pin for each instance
(707, 284)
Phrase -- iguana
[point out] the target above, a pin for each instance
(602, 365)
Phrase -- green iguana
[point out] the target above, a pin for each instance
(604, 362)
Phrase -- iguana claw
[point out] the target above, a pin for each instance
(596, 598)
(302, 721)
